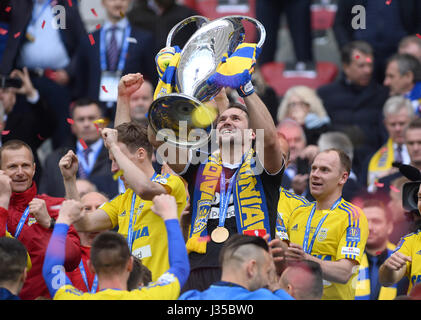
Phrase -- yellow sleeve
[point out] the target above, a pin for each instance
(175, 187)
(68, 292)
(405, 247)
(113, 208)
(354, 237)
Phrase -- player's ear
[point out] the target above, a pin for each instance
(130, 264)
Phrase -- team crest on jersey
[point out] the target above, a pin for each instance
(295, 228)
(31, 221)
(321, 236)
(160, 179)
(353, 234)
(418, 252)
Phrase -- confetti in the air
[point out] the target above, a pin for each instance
(98, 26)
(91, 39)
(105, 89)
(5, 132)
(378, 184)
(43, 24)
(70, 121)
(3, 31)
(17, 34)
(94, 12)
(394, 189)
(8, 8)
(83, 143)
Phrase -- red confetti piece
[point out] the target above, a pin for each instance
(70, 3)
(378, 252)
(70, 121)
(5, 132)
(8, 8)
(3, 31)
(91, 39)
(378, 184)
(105, 89)
(357, 57)
(98, 26)
(83, 143)
(40, 137)
(17, 35)
(97, 127)
(418, 35)
(394, 189)
(43, 24)
(388, 2)
(368, 60)
(93, 11)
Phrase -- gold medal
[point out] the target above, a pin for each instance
(220, 234)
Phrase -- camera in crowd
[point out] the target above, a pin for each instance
(8, 82)
(410, 189)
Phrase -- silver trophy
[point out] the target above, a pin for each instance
(171, 116)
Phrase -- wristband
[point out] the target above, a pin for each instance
(52, 223)
(245, 90)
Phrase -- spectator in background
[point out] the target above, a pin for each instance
(269, 13)
(411, 45)
(13, 270)
(85, 186)
(26, 116)
(377, 250)
(94, 164)
(296, 173)
(140, 102)
(397, 113)
(49, 51)
(159, 16)
(403, 17)
(34, 230)
(120, 48)
(354, 103)
(82, 278)
(302, 104)
(403, 77)
(303, 280)
(401, 219)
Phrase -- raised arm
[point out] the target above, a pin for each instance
(260, 118)
(166, 207)
(128, 84)
(138, 181)
(53, 269)
(68, 165)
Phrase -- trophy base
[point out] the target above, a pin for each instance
(181, 120)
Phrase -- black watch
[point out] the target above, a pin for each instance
(52, 223)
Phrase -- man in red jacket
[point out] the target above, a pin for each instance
(31, 217)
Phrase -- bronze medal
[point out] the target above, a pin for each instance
(220, 234)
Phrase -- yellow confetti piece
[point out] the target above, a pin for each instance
(118, 174)
(99, 121)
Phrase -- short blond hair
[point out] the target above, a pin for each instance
(308, 95)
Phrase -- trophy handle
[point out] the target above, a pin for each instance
(182, 24)
(258, 24)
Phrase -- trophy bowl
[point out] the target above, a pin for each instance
(183, 118)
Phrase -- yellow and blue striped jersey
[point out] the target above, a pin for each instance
(342, 235)
(149, 233)
(410, 245)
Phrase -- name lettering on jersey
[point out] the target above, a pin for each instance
(143, 232)
(142, 252)
(418, 252)
(415, 279)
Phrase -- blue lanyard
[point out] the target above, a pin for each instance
(21, 222)
(124, 48)
(307, 248)
(36, 16)
(225, 196)
(131, 222)
(85, 278)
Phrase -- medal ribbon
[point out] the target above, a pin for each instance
(131, 222)
(307, 248)
(85, 278)
(225, 196)
(37, 15)
(123, 53)
(21, 222)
